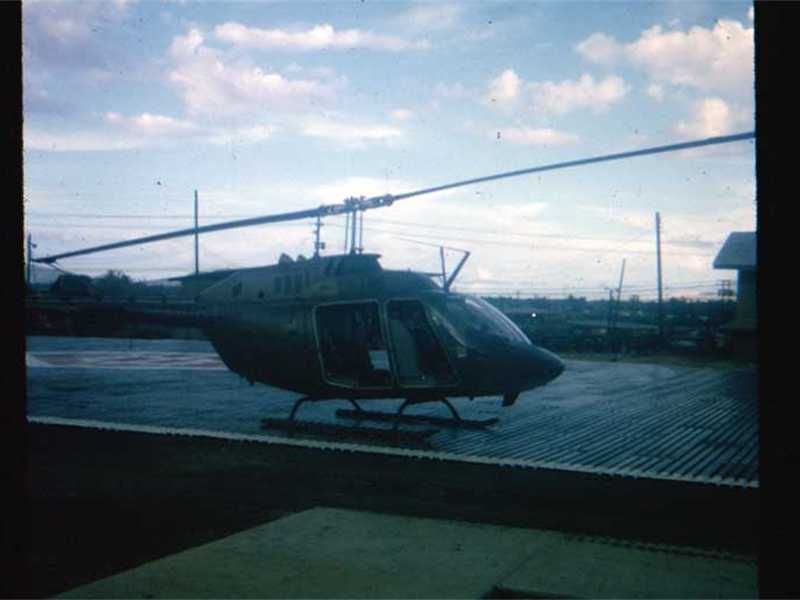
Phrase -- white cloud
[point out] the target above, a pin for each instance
(46, 141)
(431, 17)
(61, 34)
(184, 46)
(599, 48)
(66, 30)
(566, 96)
(717, 60)
(249, 134)
(709, 59)
(504, 90)
(351, 134)
(142, 131)
(319, 37)
(712, 117)
(531, 136)
(450, 91)
(153, 125)
(713, 64)
(68, 23)
(655, 91)
(38, 100)
(508, 91)
(213, 86)
(402, 114)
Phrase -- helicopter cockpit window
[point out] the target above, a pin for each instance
(419, 357)
(472, 319)
(352, 346)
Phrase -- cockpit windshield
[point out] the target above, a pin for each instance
(469, 319)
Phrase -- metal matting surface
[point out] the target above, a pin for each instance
(633, 420)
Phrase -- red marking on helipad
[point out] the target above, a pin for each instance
(125, 359)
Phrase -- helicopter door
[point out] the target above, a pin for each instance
(351, 344)
(419, 357)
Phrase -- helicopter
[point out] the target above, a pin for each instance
(341, 327)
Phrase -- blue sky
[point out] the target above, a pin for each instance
(268, 107)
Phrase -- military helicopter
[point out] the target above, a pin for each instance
(342, 327)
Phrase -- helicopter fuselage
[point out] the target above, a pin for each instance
(341, 326)
(362, 332)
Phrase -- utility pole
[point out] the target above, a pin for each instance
(196, 239)
(361, 233)
(444, 271)
(660, 295)
(30, 259)
(318, 245)
(346, 230)
(613, 308)
(619, 292)
(353, 232)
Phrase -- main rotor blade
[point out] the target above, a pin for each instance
(584, 161)
(353, 204)
(293, 216)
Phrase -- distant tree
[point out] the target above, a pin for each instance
(70, 285)
(114, 284)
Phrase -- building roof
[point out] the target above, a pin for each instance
(738, 252)
(203, 276)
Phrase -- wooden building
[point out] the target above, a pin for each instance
(739, 253)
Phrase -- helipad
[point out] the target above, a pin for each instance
(631, 420)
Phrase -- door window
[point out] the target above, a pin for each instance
(418, 355)
(352, 345)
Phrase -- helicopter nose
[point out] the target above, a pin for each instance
(543, 366)
(555, 366)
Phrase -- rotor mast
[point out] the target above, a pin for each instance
(318, 245)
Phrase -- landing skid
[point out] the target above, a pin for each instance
(345, 431)
(398, 417)
(393, 435)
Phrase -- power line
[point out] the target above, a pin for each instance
(602, 288)
(416, 225)
(496, 232)
(602, 251)
(698, 283)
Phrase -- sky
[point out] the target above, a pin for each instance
(271, 107)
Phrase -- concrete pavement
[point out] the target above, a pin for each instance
(335, 553)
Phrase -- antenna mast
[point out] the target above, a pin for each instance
(360, 248)
(196, 239)
(31, 245)
(658, 268)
